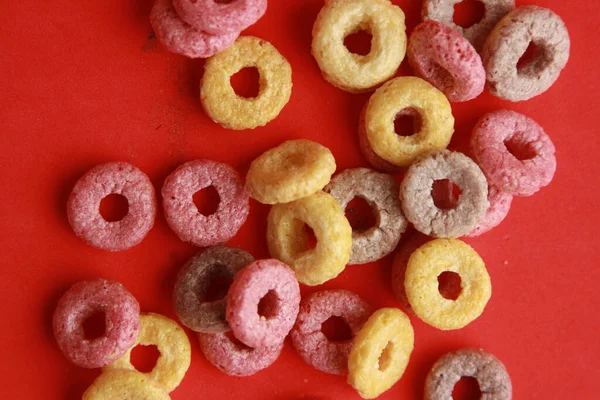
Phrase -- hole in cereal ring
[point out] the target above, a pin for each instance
(236, 342)
(385, 359)
(311, 238)
(445, 194)
(440, 76)
(217, 288)
(532, 56)
(449, 285)
(207, 200)
(359, 42)
(144, 358)
(94, 326)
(407, 122)
(468, 12)
(336, 329)
(246, 82)
(360, 215)
(114, 207)
(267, 306)
(521, 151)
(467, 388)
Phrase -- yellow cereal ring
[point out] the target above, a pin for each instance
(124, 384)
(221, 102)
(380, 352)
(427, 263)
(288, 241)
(290, 171)
(353, 72)
(407, 95)
(173, 345)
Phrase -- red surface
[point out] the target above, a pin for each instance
(84, 82)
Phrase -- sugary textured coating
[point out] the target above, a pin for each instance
(444, 58)
(181, 38)
(308, 340)
(124, 384)
(173, 345)
(427, 263)
(418, 203)
(380, 352)
(353, 72)
(499, 206)
(381, 192)
(83, 300)
(492, 377)
(236, 359)
(399, 266)
(406, 96)
(192, 284)
(83, 208)
(288, 240)
(219, 18)
(222, 103)
(443, 11)
(182, 214)
(290, 171)
(529, 168)
(508, 42)
(273, 284)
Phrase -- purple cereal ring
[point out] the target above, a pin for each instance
(441, 56)
(308, 340)
(192, 284)
(399, 267)
(81, 301)
(499, 206)
(182, 214)
(272, 285)
(235, 359)
(181, 38)
(220, 18)
(520, 174)
(83, 208)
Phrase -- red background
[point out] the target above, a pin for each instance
(84, 82)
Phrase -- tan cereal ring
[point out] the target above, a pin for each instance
(124, 384)
(352, 72)
(228, 109)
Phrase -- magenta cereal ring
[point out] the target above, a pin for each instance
(192, 284)
(220, 18)
(182, 214)
(235, 359)
(181, 38)
(499, 206)
(81, 301)
(83, 208)
(520, 174)
(444, 58)
(273, 284)
(308, 340)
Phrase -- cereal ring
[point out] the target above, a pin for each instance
(173, 345)
(236, 359)
(443, 11)
(273, 283)
(405, 96)
(499, 206)
(123, 384)
(182, 214)
(81, 301)
(508, 42)
(533, 165)
(192, 284)
(353, 72)
(418, 203)
(399, 267)
(492, 377)
(293, 170)
(380, 191)
(441, 56)
(288, 241)
(231, 111)
(308, 340)
(220, 18)
(427, 263)
(83, 208)
(380, 352)
(181, 38)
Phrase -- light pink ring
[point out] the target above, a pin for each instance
(220, 18)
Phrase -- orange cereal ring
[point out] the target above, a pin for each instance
(427, 263)
(231, 111)
(380, 352)
(290, 171)
(288, 241)
(124, 384)
(353, 72)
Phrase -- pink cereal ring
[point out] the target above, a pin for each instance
(262, 303)
(220, 18)
(311, 344)
(444, 58)
(499, 206)
(181, 38)
(533, 164)
(81, 301)
(83, 208)
(182, 214)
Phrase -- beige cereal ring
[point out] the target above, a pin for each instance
(124, 384)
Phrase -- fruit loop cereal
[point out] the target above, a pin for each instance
(123, 384)
(400, 263)
(499, 206)
(219, 18)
